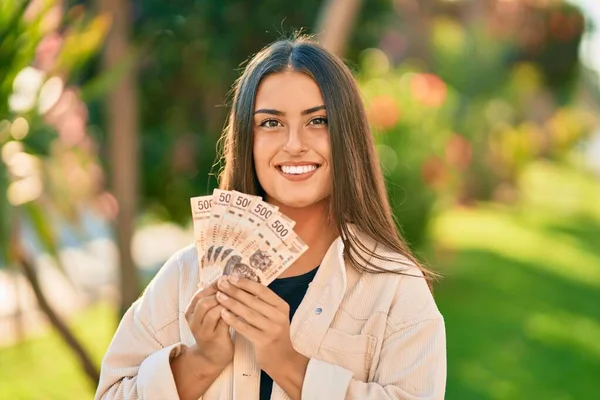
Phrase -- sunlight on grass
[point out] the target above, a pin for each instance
(482, 380)
(520, 292)
(560, 190)
(550, 195)
(44, 368)
(504, 234)
(563, 329)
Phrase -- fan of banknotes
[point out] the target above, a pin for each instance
(240, 234)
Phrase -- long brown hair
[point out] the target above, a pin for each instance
(359, 197)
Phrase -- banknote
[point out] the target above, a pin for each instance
(257, 214)
(295, 245)
(265, 254)
(237, 233)
(291, 249)
(220, 204)
(219, 231)
(201, 208)
(238, 207)
(271, 234)
(287, 220)
(247, 227)
(262, 266)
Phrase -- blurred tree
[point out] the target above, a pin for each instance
(336, 22)
(122, 114)
(48, 168)
(493, 86)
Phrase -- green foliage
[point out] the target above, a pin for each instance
(85, 35)
(517, 86)
(5, 222)
(18, 40)
(35, 62)
(39, 139)
(461, 123)
(412, 126)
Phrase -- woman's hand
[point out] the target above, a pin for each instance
(213, 342)
(198, 366)
(262, 317)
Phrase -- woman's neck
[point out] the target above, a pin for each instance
(315, 228)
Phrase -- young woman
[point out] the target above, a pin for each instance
(353, 318)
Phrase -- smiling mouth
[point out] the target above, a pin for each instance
(297, 169)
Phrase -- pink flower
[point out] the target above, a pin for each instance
(458, 152)
(428, 89)
(384, 112)
(434, 172)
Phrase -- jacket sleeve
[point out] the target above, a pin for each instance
(412, 361)
(137, 362)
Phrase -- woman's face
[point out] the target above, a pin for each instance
(292, 151)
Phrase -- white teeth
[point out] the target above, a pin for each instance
(297, 169)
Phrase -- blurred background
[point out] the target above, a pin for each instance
(485, 114)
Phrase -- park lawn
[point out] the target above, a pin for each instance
(43, 368)
(521, 293)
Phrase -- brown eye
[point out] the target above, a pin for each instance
(270, 123)
(318, 121)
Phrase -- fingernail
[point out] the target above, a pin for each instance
(223, 282)
(222, 296)
(234, 278)
(224, 313)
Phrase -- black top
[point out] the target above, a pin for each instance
(291, 289)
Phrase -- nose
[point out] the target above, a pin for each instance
(295, 143)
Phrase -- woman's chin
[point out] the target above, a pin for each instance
(298, 201)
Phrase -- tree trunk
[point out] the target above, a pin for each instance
(18, 316)
(417, 15)
(335, 23)
(85, 360)
(122, 124)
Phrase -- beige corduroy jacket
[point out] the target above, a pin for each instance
(368, 337)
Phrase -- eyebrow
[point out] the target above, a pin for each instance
(281, 113)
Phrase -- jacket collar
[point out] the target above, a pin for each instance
(321, 302)
(333, 268)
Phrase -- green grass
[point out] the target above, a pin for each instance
(521, 295)
(43, 368)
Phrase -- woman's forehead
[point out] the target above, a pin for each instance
(288, 90)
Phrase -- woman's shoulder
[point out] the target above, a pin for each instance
(406, 287)
(161, 298)
(180, 273)
(182, 265)
(413, 300)
(376, 256)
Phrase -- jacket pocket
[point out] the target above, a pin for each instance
(352, 352)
